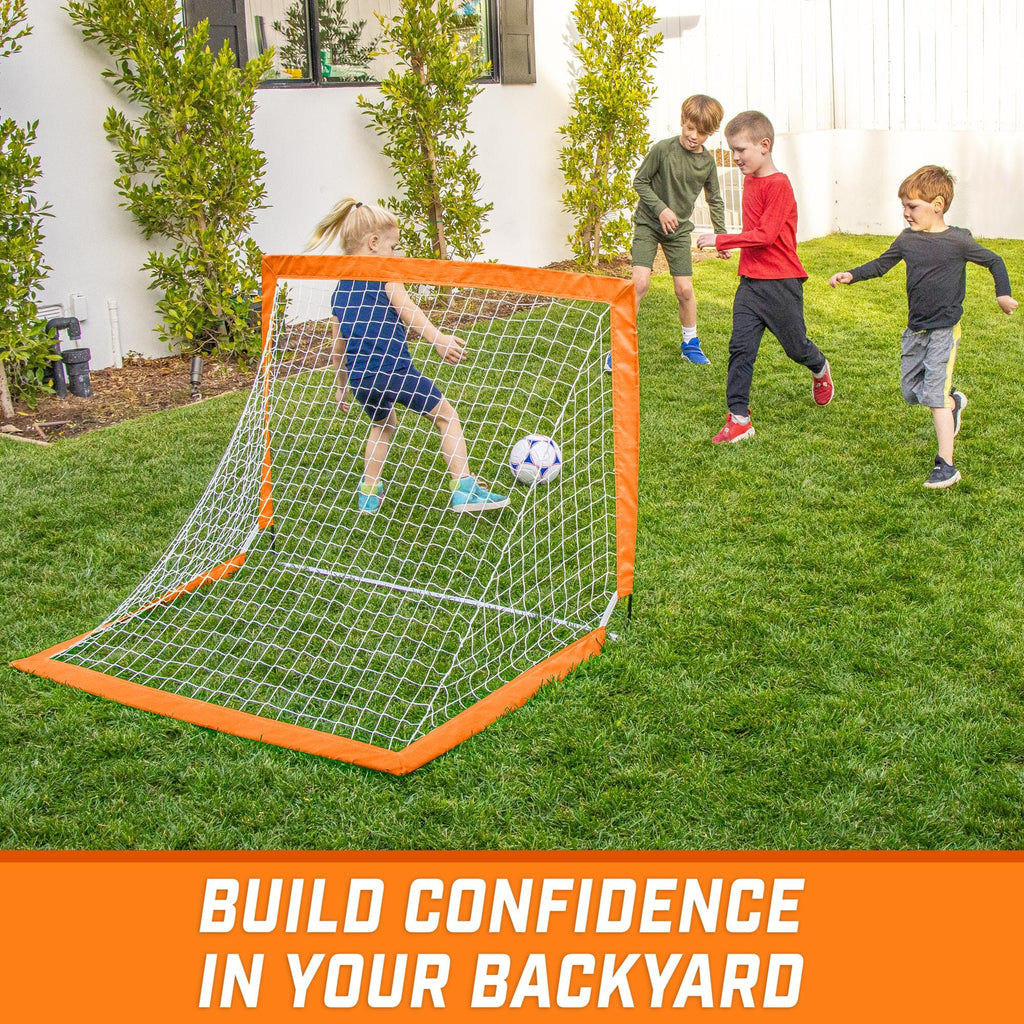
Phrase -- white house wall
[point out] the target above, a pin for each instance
(336, 153)
(867, 167)
(910, 82)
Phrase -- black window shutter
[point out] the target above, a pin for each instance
(516, 42)
(227, 22)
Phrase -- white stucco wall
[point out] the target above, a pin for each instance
(320, 149)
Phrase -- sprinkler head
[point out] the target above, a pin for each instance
(195, 374)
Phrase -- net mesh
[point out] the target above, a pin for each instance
(379, 627)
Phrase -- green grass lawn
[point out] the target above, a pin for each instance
(823, 654)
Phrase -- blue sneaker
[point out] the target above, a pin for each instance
(469, 496)
(369, 499)
(691, 350)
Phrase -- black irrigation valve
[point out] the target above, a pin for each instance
(75, 361)
(55, 369)
(65, 323)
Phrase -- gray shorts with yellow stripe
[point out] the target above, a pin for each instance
(926, 366)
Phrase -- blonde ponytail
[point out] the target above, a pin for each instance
(349, 223)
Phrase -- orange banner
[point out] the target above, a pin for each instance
(499, 937)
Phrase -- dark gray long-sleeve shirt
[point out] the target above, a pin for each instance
(936, 273)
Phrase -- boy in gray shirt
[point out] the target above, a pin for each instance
(936, 256)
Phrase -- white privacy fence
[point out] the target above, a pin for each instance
(815, 65)
(730, 181)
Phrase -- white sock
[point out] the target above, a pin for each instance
(741, 420)
(689, 333)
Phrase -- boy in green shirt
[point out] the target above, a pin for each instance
(672, 176)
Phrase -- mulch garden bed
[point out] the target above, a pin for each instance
(143, 386)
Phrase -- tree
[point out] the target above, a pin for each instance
(24, 347)
(424, 117)
(341, 38)
(189, 170)
(606, 135)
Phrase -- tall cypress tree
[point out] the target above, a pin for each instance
(190, 173)
(423, 118)
(606, 135)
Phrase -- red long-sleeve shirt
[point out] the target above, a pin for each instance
(767, 243)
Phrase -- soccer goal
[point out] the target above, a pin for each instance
(283, 613)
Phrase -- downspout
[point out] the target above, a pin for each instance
(115, 333)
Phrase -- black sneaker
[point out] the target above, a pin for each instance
(959, 404)
(944, 474)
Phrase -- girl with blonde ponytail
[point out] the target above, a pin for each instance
(371, 321)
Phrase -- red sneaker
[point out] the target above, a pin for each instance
(823, 389)
(733, 431)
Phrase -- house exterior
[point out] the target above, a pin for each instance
(860, 94)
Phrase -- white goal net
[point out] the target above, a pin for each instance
(281, 603)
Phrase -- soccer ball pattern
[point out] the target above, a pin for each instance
(535, 459)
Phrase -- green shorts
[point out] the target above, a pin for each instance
(676, 248)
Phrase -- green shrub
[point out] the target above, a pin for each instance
(606, 135)
(189, 170)
(423, 116)
(24, 348)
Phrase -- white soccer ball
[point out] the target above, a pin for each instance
(608, 363)
(535, 459)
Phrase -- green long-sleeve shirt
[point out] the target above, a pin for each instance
(671, 176)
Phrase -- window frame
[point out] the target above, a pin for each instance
(318, 81)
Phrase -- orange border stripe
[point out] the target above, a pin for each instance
(511, 695)
(266, 511)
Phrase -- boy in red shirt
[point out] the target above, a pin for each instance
(770, 294)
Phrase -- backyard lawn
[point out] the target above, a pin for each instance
(823, 654)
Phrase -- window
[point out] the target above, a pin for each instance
(331, 42)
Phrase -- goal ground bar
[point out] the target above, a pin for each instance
(419, 592)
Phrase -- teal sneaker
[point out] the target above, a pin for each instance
(369, 500)
(469, 496)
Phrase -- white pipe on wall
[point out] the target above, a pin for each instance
(115, 333)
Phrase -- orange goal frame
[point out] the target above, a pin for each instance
(619, 295)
